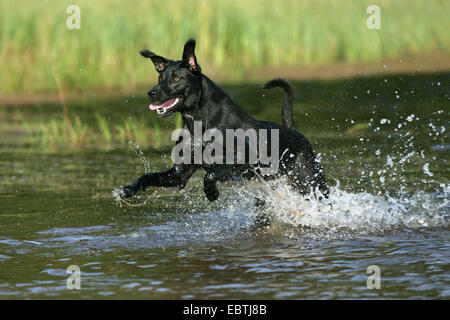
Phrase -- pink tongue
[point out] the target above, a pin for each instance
(161, 105)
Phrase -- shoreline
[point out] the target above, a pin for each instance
(428, 64)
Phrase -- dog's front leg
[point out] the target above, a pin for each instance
(177, 176)
(214, 175)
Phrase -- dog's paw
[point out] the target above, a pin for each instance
(128, 191)
(212, 194)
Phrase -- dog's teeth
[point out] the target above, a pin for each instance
(173, 103)
(164, 109)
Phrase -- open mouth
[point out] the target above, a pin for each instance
(165, 107)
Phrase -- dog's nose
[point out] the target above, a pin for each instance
(152, 94)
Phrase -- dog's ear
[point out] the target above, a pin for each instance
(159, 62)
(189, 59)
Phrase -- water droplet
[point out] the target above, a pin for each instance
(426, 170)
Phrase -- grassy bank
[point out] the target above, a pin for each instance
(39, 54)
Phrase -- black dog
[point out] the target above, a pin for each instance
(183, 88)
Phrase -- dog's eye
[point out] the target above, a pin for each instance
(176, 79)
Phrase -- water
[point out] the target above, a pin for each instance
(386, 159)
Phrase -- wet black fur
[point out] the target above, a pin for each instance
(202, 100)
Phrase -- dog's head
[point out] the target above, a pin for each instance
(178, 87)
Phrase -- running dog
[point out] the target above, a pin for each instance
(183, 88)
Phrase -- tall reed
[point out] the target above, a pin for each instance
(36, 47)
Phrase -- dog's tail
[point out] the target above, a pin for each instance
(288, 101)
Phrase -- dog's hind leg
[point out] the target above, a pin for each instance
(262, 219)
(307, 176)
(259, 203)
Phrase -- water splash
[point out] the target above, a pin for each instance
(389, 198)
(345, 213)
(140, 154)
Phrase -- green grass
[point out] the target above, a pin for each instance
(38, 53)
(62, 133)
